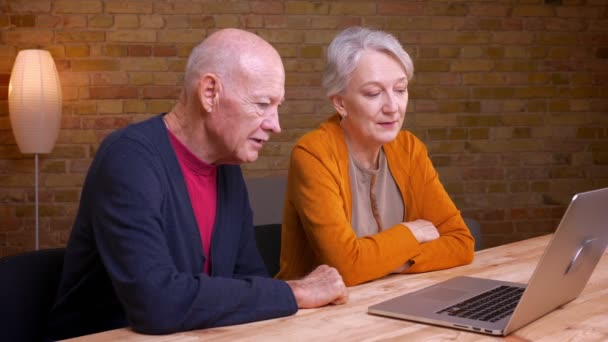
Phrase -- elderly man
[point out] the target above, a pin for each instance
(163, 240)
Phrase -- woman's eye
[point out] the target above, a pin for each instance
(372, 94)
(401, 90)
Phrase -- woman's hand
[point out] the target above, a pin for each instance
(423, 230)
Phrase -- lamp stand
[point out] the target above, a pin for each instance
(36, 196)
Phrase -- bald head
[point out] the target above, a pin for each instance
(225, 53)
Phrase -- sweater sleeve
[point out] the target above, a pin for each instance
(455, 245)
(157, 295)
(317, 192)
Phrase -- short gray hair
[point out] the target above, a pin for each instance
(345, 50)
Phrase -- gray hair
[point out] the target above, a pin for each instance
(345, 50)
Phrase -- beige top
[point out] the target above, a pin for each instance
(385, 199)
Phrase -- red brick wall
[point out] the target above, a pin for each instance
(510, 96)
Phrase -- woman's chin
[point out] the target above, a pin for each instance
(386, 136)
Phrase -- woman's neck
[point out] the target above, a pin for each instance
(365, 155)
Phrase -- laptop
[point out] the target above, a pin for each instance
(499, 307)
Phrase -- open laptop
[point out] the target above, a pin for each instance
(498, 307)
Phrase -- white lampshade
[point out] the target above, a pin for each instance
(34, 101)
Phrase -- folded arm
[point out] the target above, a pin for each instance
(455, 245)
(321, 196)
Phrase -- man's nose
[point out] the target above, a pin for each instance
(271, 123)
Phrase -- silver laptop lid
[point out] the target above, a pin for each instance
(568, 261)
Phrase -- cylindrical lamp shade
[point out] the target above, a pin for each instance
(34, 101)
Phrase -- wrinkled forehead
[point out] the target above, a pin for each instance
(268, 65)
(265, 60)
(262, 74)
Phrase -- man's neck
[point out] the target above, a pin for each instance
(190, 131)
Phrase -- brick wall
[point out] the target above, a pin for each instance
(511, 97)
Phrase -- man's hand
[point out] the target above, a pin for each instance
(322, 286)
(423, 230)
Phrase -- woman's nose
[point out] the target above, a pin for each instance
(390, 103)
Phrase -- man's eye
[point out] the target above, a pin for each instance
(263, 105)
(401, 90)
(372, 94)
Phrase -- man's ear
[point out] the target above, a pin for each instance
(338, 103)
(209, 89)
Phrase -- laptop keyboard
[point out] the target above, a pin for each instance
(489, 306)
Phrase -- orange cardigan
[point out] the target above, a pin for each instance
(318, 206)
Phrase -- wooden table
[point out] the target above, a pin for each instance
(584, 319)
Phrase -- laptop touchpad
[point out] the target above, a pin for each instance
(442, 293)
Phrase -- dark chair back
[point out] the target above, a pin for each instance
(268, 239)
(475, 229)
(28, 285)
(266, 196)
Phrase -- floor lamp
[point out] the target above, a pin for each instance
(34, 101)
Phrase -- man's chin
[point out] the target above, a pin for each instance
(250, 157)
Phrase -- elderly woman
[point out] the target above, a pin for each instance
(362, 195)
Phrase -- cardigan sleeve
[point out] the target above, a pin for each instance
(455, 245)
(157, 295)
(317, 191)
